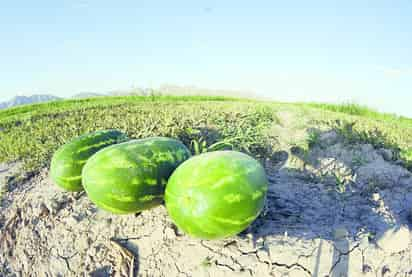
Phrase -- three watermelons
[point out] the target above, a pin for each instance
(68, 161)
(131, 176)
(216, 194)
(213, 195)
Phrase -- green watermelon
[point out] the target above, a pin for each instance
(217, 194)
(68, 161)
(131, 177)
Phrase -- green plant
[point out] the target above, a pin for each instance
(33, 133)
(406, 156)
(207, 262)
(313, 138)
(340, 183)
(200, 146)
(358, 161)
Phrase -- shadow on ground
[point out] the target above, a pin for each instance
(336, 190)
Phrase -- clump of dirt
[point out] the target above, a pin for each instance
(335, 210)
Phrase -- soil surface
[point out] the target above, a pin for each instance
(336, 210)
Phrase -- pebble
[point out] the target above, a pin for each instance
(387, 154)
(169, 233)
(376, 197)
(44, 211)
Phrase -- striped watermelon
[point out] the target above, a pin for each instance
(68, 161)
(131, 176)
(216, 194)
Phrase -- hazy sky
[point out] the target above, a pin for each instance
(288, 50)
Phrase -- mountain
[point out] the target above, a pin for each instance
(88, 95)
(171, 89)
(130, 92)
(135, 91)
(24, 100)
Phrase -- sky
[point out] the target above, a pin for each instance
(317, 51)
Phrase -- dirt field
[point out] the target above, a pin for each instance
(311, 226)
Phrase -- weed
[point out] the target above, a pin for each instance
(313, 138)
(207, 262)
(340, 183)
(203, 126)
(358, 161)
(32, 133)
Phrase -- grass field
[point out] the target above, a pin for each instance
(32, 133)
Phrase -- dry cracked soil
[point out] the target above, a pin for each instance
(337, 210)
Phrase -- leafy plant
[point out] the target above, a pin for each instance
(313, 138)
(340, 183)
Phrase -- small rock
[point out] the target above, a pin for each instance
(386, 154)
(385, 270)
(376, 197)
(44, 211)
(394, 240)
(169, 233)
(55, 206)
(78, 195)
(366, 269)
(249, 236)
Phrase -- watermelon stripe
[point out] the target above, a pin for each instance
(97, 145)
(68, 161)
(223, 181)
(74, 178)
(149, 197)
(233, 221)
(257, 194)
(110, 208)
(130, 177)
(233, 197)
(121, 198)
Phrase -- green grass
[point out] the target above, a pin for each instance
(366, 125)
(32, 133)
(348, 108)
(360, 110)
(25, 111)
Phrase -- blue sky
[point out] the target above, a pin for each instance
(286, 50)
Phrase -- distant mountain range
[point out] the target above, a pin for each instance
(167, 89)
(171, 89)
(88, 95)
(23, 100)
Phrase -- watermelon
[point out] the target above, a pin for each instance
(68, 161)
(130, 177)
(217, 194)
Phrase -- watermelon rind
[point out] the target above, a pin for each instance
(130, 177)
(68, 161)
(217, 194)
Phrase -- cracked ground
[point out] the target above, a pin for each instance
(329, 213)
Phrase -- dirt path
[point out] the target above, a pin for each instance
(338, 210)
